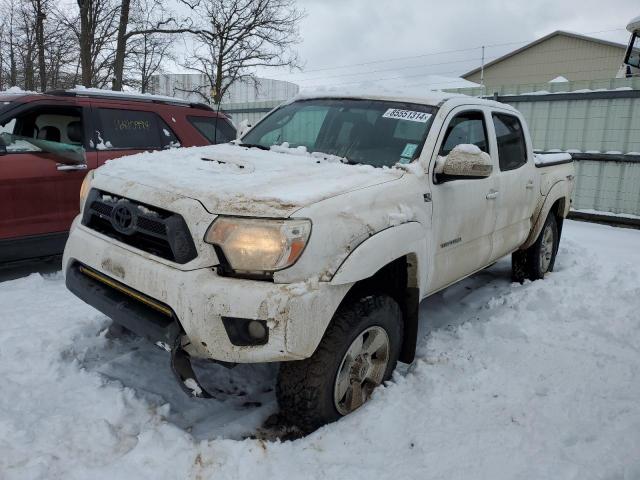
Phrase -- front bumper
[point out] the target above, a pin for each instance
(297, 315)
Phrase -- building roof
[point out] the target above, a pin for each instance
(543, 39)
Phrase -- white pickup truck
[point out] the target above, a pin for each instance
(312, 240)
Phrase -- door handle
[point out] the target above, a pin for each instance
(69, 168)
(530, 185)
(492, 195)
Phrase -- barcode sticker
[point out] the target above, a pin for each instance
(410, 115)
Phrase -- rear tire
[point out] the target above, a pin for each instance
(360, 347)
(538, 260)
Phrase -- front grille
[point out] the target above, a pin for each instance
(156, 231)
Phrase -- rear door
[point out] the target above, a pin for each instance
(517, 183)
(39, 193)
(123, 129)
(464, 209)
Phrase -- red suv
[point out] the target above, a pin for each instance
(48, 143)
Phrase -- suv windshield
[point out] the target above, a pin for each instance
(372, 132)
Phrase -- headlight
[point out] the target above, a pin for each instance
(259, 245)
(85, 187)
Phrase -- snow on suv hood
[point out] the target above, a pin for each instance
(234, 180)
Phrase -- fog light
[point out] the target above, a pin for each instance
(246, 332)
(257, 329)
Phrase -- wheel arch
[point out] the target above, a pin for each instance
(390, 262)
(555, 202)
(398, 279)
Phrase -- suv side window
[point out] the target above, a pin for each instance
(216, 131)
(512, 148)
(133, 130)
(44, 128)
(466, 128)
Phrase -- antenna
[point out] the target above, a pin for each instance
(482, 74)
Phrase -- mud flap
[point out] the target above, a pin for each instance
(519, 266)
(181, 366)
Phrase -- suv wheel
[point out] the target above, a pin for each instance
(358, 352)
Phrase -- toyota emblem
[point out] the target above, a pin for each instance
(123, 219)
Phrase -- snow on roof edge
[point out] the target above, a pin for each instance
(429, 97)
(80, 90)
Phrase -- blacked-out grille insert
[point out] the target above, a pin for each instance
(150, 229)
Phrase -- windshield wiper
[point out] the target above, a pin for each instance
(253, 145)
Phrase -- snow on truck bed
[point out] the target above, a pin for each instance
(534, 381)
(543, 159)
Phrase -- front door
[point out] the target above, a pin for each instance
(464, 209)
(39, 192)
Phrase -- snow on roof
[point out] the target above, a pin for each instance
(559, 79)
(634, 24)
(380, 92)
(581, 90)
(99, 92)
(14, 91)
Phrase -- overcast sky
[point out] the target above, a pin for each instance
(347, 32)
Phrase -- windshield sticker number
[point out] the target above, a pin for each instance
(410, 115)
(409, 150)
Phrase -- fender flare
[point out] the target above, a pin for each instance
(557, 192)
(408, 239)
(381, 249)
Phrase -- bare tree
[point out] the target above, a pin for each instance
(95, 28)
(151, 19)
(62, 51)
(39, 8)
(39, 47)
(237, 36)
(147, 58)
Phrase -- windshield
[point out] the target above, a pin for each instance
(371, 132)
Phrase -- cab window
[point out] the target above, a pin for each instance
(512, 148)
(466, 128)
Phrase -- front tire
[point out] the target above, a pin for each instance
(358, 352)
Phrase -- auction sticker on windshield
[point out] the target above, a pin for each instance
(410, 115)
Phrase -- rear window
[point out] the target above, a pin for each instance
(512, 148)
(216, 131)
(133, 129)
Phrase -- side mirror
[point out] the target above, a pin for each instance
(243, 127)
(465, 161)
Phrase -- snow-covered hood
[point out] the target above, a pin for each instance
(234, 180)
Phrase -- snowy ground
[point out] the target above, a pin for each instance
(534, 381)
